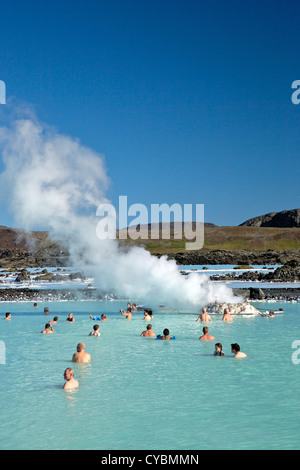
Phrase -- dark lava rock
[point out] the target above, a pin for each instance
(23, 276)
(289, 218)
(256, 294)
(239, 257)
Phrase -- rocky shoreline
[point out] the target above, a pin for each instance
(289, 272)
(52, 295)
(56, 295)
(287, 294)
(238, 257)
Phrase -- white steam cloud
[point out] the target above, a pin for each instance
(52, 182)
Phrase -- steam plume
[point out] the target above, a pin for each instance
(54, 183)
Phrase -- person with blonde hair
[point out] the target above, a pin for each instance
(204, 316)
(227, 317)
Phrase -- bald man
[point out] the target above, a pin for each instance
(81, 356)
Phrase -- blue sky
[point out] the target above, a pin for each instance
(189, 101)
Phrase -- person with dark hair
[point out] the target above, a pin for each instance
(127, 314)
(147, 315)
(102, 318)
(7, 316)
(206, 336)
(96, 331)
(48, 329)
(166, 335)
(218, 350)
(270, 314)
(236, 350)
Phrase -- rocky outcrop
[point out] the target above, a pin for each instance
(289, 272)
(239, 257)
(23, 276)
(289, 218)
(19, 258)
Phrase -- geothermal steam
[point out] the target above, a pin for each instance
(52, 182)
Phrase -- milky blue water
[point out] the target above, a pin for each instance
(140, 393)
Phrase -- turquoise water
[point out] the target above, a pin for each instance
(140, 393)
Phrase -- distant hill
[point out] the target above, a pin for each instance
(283, 219)
(30, 249)
(176, 229)
(222, 245)
(220, 238)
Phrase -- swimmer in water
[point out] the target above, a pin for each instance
(127, 314)
(148, 331)
(147, 315)
(70, 381)
(7, 316)
(218, 350)
(95, 331)
(102, 318)
(81, 356)
(226, 316)
(270, 314)
(204, 316)
(166, 335)
(46, 311)
(48, 329)
(54, 321)
(238, 354)
(206, 336)
(70, 318)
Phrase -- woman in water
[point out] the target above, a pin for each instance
(148, 315)
(218, 350)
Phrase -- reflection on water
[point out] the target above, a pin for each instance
(71, 395)
(83, 371)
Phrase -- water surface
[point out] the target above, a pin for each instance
(140, 393)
